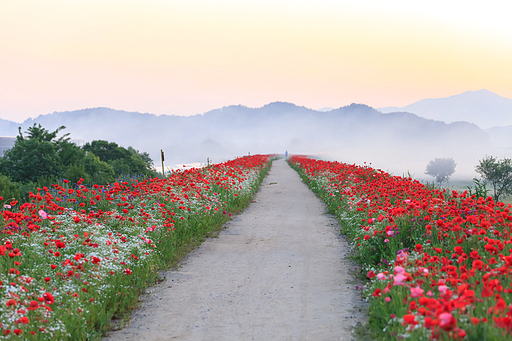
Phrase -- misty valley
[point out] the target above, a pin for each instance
(398, 142)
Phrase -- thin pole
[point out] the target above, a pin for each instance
(162, 155)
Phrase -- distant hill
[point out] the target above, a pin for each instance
(325, 109)
(483, 108)
(8, 128)
(354, 133)
(501, 137)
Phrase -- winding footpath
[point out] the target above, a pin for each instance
(277, 272)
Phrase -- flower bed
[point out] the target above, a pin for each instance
(438, 263)
(77, 255)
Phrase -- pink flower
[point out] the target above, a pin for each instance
(445, 319)
(43, 214)
(416, 292)
(381, 276)
(398, 279)
(429, 293)
(442, 289)
(399, 270)
(386, 240)
(387, 299)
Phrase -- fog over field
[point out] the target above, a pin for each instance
(398, 142)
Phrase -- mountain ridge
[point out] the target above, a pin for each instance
(482, 107)
(354, 133)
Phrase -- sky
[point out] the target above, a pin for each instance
(186, 57)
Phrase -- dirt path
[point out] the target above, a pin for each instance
(276, 273)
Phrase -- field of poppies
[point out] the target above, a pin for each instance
(78, 255)
(438, 262)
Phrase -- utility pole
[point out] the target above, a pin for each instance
(163, 170)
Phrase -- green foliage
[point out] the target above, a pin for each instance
(38, 158)
(144, 156)
(41, 134)
(479, 189)
(441, 169)
(498, 173)
(106, 151)
(100, 171)
(8, 189)
(122, 160)
(69, 153)
(75, 172)
(31, 158)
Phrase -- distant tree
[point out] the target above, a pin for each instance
(441, 169)
(498, 173)
(144, 157)
(106, 151)
(123, 161)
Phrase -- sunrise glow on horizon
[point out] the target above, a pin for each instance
(189, 57)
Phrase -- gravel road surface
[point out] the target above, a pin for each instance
(277, 272)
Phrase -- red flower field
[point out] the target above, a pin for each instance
(438, 263)
(78, 255)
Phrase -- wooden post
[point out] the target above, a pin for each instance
(163, 170)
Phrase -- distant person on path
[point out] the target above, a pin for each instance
(286, 154)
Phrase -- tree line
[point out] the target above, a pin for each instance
(39, 158)
(494, 172)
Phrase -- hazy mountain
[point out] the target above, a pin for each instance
(325, 109)
(501, 137)
(483, 108)
(398, 142)
(8, 128)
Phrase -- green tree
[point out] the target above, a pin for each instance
(498, 173)
(106, 151)
(75, 172)
(69, 153)
(33, 156)
(123, 161)
(100, 172)
(147, 162)
(441, 169)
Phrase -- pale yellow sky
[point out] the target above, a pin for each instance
(188, 57)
